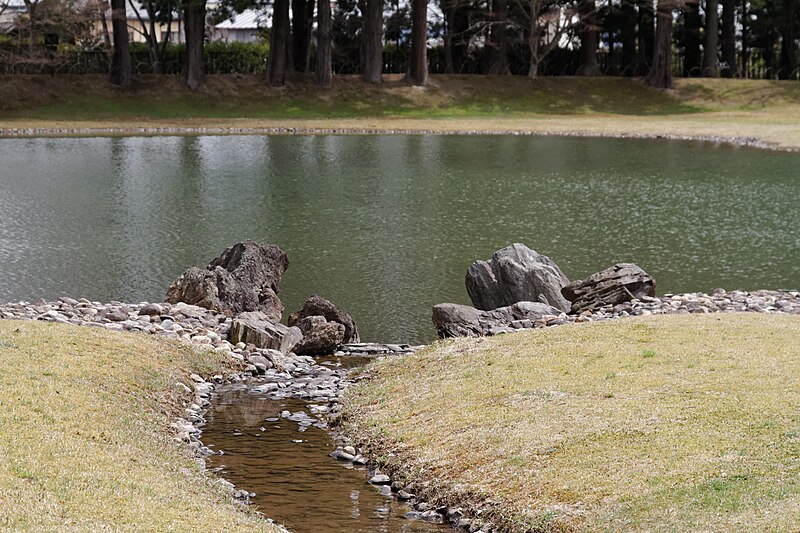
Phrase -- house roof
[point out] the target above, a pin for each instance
(250, 19)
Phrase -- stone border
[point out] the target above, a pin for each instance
(14, 133)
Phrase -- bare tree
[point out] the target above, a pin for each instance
(498, 38)
(30, 10)
(545, 23)
(158, 12)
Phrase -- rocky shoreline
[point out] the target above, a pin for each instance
(13, 133)
(279, 376)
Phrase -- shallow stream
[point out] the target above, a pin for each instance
(295, 480)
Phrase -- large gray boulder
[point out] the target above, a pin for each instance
(318, 306)
(455, 320)
(621, 283)
(320, 337)
(245, 277)
(516, 274)
(258, 329)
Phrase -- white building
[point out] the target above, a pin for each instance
(245, 27)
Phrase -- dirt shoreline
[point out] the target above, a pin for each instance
(34, 132)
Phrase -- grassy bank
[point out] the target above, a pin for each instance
(673, 423)
(765, 110)
(85, 438)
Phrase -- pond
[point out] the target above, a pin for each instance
(386, 226)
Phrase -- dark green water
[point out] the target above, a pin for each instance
(386, 226)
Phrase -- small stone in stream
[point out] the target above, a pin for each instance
(433, 517)
(359, 460)
(350, 450)
(404, 496)
(396, 486)
(380, 479)
(341, 455)
(385, 490)
(413, 515)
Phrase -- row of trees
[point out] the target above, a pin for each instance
(583, 37)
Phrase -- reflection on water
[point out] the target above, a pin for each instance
(295, 481)
(386, 226)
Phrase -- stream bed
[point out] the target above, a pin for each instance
(287, 465)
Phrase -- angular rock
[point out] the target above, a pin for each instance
(320, 337)
(318, 306)
(516, 274)
(621, 283)
(454, 320)
(245, 277)
(257, 329)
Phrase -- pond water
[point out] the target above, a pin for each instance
(386, 226)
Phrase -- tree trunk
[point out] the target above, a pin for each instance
(691, 39)
(745, 44)
(372, 42)
(498, 41)
(587, 11)
(121, 60)
(101, 8)
(788, 52)
(710, 61)
(324, 72)
(645, 37)
(660, 75)
(729, 39)
(194, 30)
(302, 13)
(278, 46)
(628, 37)
(456, 23)
(533, 45)
(418, 62)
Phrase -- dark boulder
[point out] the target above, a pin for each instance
(320, 337)
(318, 306)
(516, 274)
(258, 329)
(454, 320)
(245, 277)
(621, 283)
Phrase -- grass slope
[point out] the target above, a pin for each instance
(675, 423)
(85, 443)
(767, 110)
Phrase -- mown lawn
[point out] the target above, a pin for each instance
(85, 437)
(767, 111)
(672, 423)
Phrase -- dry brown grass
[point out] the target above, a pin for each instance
(678, 423)
(85, 442)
